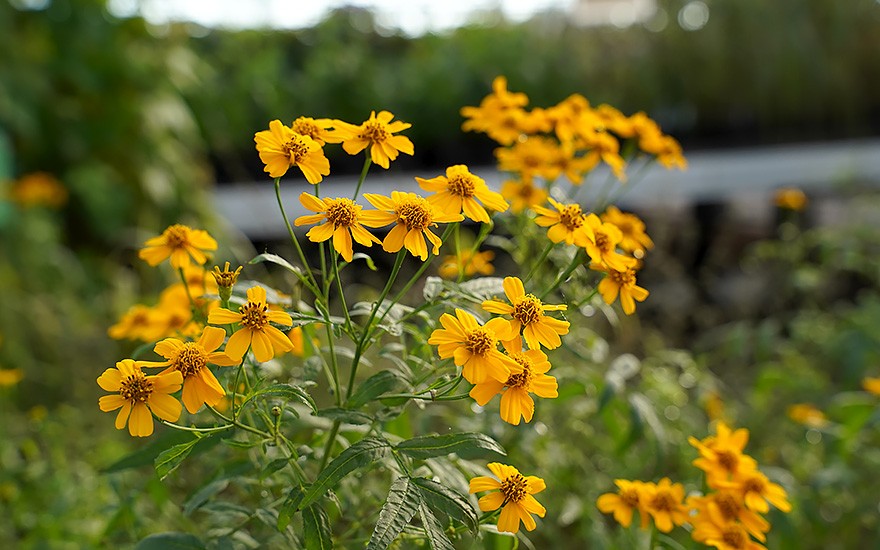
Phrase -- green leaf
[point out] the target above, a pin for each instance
(399, 508)
(437, 539)
(147, 455)
(316, 528)
(365, 451)
(465, 445)
(274, 466)
(345, 415)
(289, 507)
(288, 392)
(277, 260)
(171, 541)
(361, 256)
(450, 502)
(373, 387)
(170, 459)
(201, 496)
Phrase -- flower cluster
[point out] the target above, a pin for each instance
(728, 517)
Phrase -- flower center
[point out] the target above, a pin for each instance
(462, 185)
(663, 501)
(528, 310)
(136, 388)
(190, 360)
(728, 460)
(306, 127)
(572, 216)
(628, 278)
(479, 341)
(753, 485)
(415, 213)
(521, 379)
(253, 315)
(176, 236)
(603, 243)
(728, 505)
(526, 191)
(296, 149)
(733, 535)
(514, 488)
(342, 212)
(177, 320)
(374, 131)
(630, 497)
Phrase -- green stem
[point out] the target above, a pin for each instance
(192, 302)
(540, 261)
(367, 162)
(197, 430)
(459, 259)
(365, 335)
(328, 447)
(308, 279)
(339, 287)
(578, 259)
(238, 424)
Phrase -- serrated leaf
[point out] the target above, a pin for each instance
(147, 455)
(170, 541)
(437, 539)
(465, 445)
(433, 286)
(169, 459)
(452, 503)
(373, 387)
(346, 415)
(289, 507)
(399, 508)
(200, 497)
(288, 392)
(316, 528)
(365, 451)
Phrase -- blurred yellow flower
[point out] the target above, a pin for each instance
(377, 133)
(254, 332)
(602, 249)
(628, 498)
(721, 455)
(730, 536)
(522, 195)
(39, 189)
(469, 262)
(459, 191)
(514, 493)
(10, 377)
(531, 157)
(791, 198)
(179, 243)
(527, 313)
(414, 216)
(473, 347)
(137, 395)
(516, 403)
(623, 284)
(663, 502)
(721, 508)
(341, 217)
(191, 359)
(635, 240)
(500, 114)
(140, 322)
(808, 415)
(756, 490)
(280, 148)
(871, 385)
(567, 223)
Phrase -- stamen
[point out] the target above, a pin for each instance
(374, 131)
(136, 388)
(572, 216)
(415, 213)
(253, 315)
(479, 342)
(342, 212)
(190, 360)
(528, 310)
(514, 488)
(462, 185)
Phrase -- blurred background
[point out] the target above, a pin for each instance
(120, 117)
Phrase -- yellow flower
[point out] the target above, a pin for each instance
(604, 146)
(654, 142)
(319, 129)
(756, 490)
(664, 502)
(871, 385)
(567, 223)
(621, 283)
(808, 415)
(225, 279)
(522, 195)
(191, 359)
(628, 498)
(297, 340)
(500, 114)
(473, 347)
(567, 116)
(528, 315)
(39, 189)
(280, 148)
(459, 191)
(173, 315)
(469, 262)
(342, 223)
(414, 217)
(731, 536)
(137, 324)
(721, 455)
(179, 243)
(514, 494)
(255, 331)
(635, 239)
(791, 198)
(137, 395)
(603, 248)
(377, 133)
(10, 377)
(533, 156)
(721, 508)
(516, 403)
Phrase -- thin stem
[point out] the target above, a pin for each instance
(308, 279)
(540, 261)
(238, 424)
(367, 162)
(341, 292)
(328, 447)
(578, 259)
(192, 302)
(197, 430)
(459, 258)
